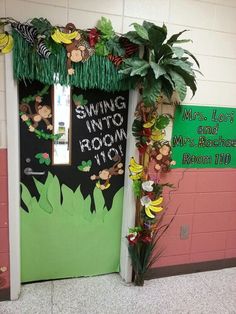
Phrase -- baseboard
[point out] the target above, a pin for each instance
(189, 268)
(5, 294)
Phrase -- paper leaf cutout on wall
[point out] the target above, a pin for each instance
(79, 100)
(85, 166)
(43, 158)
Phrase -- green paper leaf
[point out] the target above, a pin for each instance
(89, 163)
(41, 161)
(105, 27)
(162, 122)
(114, 47)
(101, 49)
(67, 199)
(47, 161)
(54, 194)
(26, 196)
(39, 155)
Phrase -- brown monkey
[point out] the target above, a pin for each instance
(42, 112)
(105, 175)
(163, 157)
(77, 51)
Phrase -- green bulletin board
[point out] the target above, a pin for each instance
(204, 137)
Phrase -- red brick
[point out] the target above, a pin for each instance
(215, 202)
(231, 240)
(209, 181)
(4, 262)
(172, 260)
(210, 222)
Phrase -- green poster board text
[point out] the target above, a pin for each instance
(204, 137)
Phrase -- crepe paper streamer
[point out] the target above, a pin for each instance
(98, 72)
(85, 166)
(41, 133)
(43, 158)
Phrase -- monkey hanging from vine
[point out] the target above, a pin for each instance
(42, 113)
(105, 175)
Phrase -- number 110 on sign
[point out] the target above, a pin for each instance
(222, 159)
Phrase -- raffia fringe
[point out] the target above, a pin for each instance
(97, 72)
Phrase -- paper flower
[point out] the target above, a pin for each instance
(151, 205)
(85, 166)
(147, 186)
(43, 158)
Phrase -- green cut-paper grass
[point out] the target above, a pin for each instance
(62, 238)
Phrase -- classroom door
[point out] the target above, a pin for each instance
(72, 145)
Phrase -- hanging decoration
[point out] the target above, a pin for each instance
(42, 113)
(104, 176)
(85, 166)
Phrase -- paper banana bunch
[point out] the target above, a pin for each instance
(63, 38)
(6, 42)
(151, 206)
(136, 170)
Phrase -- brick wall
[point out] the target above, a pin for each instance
(206, 202)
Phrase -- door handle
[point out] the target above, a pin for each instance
(30, 172)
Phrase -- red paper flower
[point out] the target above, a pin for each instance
(93, 37)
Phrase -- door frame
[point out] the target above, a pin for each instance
(13, 155)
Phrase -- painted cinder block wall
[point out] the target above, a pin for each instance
(206, 198)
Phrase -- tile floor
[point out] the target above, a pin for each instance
(207, 292)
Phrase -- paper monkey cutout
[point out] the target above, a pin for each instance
(42, 113)
(105, 175)
(162, 156)
(77, 51)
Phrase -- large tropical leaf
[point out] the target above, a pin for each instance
(188, 79)
(157, 69)
(135, 38)
(135, 67)
(174, 37)
(192, 56)
(141, 31)
(181, 64)
(157, 36)
(180, 84)
(151, 90)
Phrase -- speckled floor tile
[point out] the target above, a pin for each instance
(200, 293)
(35, 298)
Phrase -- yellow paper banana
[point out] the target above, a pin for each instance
(157, 135)
(149, 124)
(155, 209)
(157, 201)
(148, 213)
(3, 40)
(72, 35)
(55, 38)
(135, 176)
(61, 38)
(9, 45)
(135, 165)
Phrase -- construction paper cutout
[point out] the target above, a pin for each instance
(79, 100)
(43, 199)
(43, 158)
(53, 240)
(42, 113)
(105, 175)
(6, 42)
(67, 199)
(85, 166)
(54, 193)
(162, 157)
